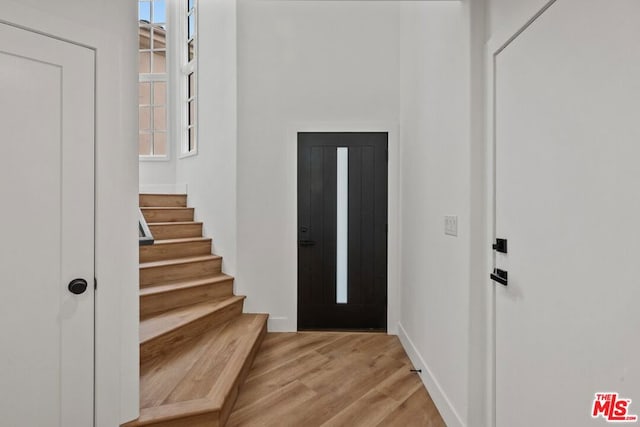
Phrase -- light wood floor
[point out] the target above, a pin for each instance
(333, 379)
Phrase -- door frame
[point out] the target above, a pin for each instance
(393, 203)
(494, 47)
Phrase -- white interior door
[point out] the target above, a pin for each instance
(47, 223)
(568, 201)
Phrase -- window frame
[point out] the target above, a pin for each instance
(152, 77)
(188, 67)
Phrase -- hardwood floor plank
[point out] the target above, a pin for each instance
(263, 385)
(402, 384)
(273, 409)
(417, 411)
(340, 388)
(315, 379)
(364, 412)
(285, 347)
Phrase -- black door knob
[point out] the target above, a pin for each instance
(78, 286)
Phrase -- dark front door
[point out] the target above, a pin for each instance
(342, 231)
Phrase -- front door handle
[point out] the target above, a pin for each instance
(307, 242)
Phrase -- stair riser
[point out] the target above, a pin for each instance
(163, 200)
(202, 420)
(152, 304)
(174, 250)
(178, 337)
(177, 231)
(168, 215)
(192, 270)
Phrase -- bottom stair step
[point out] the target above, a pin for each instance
(197, 384)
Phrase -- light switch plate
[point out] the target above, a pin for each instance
(451, 225)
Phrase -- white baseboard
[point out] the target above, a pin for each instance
(163, 189)
(280, 324)
(392, 329)
(439, 397)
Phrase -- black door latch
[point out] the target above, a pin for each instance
(500, 246)
(500, 276)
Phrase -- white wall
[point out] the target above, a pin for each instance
(435, 151)
(300, 64)
(159, 175)
(506, 16)
(210, 176)
(109, 27)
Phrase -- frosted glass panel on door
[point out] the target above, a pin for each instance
(342, 224)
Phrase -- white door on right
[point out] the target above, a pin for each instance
(568, 202)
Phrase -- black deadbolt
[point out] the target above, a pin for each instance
(78, 286)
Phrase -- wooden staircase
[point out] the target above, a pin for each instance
(196, 345)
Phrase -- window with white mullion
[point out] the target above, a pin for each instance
(153, 81)
(189, 77)
(191, 112)
(153, 117)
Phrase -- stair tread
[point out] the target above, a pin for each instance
(164, 194)
(165, 208)
(167, 321)
(199, 378)
(176, 261)
(182, 240)
(175, 223)
(183, 284)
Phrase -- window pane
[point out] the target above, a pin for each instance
(144, 37)
(190, 51)
(191, 86)
(159, 11)
(144, 93)
(145, 62)
(160, 93)
(191, 26)
(144, 144)
(159, 38)
(160, 118)
(342, 219)
(160, 144)
(144, 11)
(144, 118)
(192, 139)
(190, 4)
(159, 62)
(192, 113)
